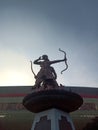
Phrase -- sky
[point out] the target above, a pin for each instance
(31, 28)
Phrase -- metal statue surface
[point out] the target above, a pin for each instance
(47, 75)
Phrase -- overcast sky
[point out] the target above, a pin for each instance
(31, 28)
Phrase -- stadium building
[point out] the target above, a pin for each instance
(14, 116)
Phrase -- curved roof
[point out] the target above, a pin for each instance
(23, 90)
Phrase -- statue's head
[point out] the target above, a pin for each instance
(44, 57)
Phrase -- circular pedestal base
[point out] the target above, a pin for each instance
(53, 98)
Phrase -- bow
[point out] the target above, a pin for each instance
(32, 70)
(65, 60)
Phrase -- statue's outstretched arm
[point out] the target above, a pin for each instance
(56, 61)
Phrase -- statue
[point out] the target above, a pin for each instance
(47, 75)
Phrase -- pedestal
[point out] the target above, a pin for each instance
(52, 119)
(52, 108)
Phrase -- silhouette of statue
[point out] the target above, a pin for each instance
(47, 72)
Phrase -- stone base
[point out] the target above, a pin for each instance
(53, 98)
(52, 119)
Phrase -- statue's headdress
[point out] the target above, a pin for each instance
(44, 57)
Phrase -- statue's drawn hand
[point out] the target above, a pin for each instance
(65, 59)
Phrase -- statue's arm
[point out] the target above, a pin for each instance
(56, 61)
(37, 61)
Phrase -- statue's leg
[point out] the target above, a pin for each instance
(38, 82)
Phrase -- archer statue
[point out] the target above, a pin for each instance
(47, 74)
